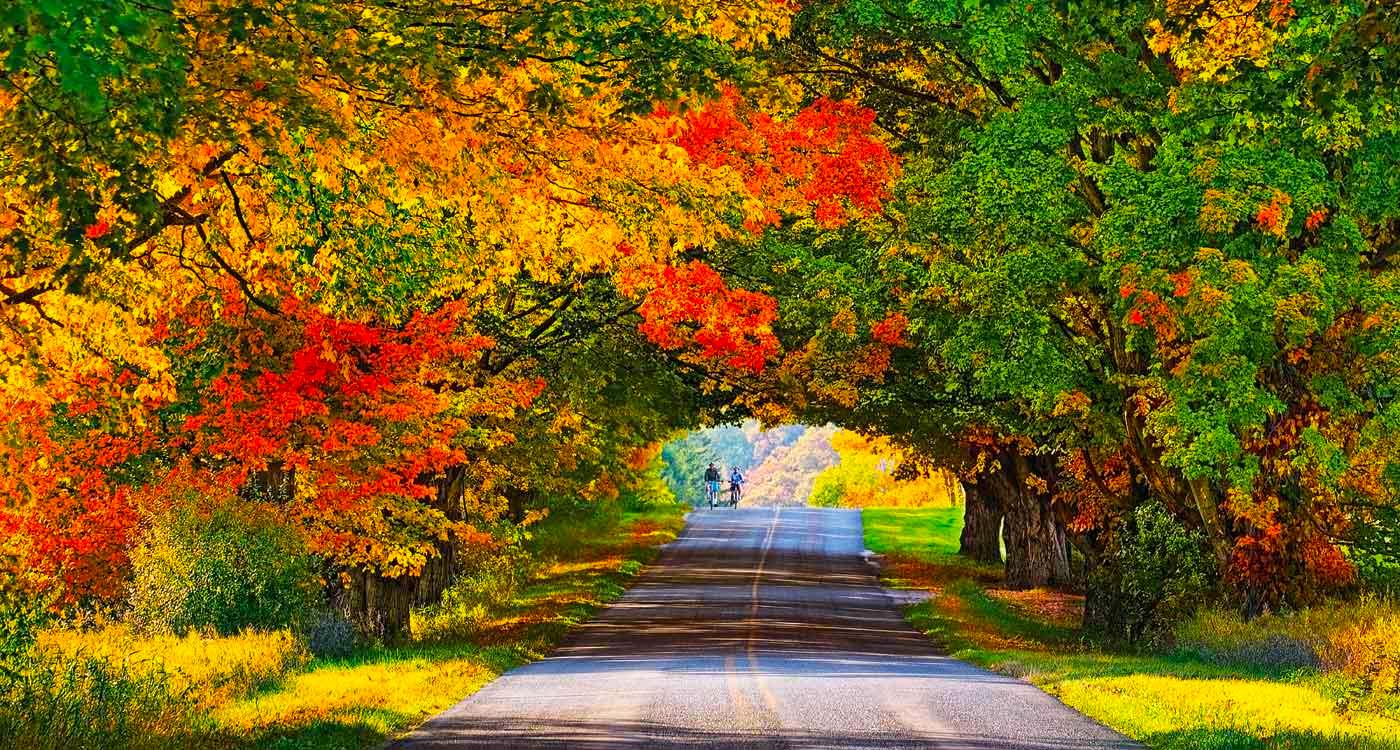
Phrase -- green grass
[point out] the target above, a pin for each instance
(1165, 700)
(921, 532)
(576, 565)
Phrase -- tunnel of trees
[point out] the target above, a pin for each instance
(415, 273)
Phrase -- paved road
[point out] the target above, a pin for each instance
(758, 628)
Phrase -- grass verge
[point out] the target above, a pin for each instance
(1173, 700)
(263, 691)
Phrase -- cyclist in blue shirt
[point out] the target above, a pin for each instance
(736, 482)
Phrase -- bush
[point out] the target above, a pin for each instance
(53, 703)
(646, 488)
(22, 613)
(487, 582)
(1359, 639)
(25, 600)
(1155, 575)
(224, 566)
(1375, 551)
(1378, 574)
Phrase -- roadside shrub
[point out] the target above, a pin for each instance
(562, 534)
(488, 582)
(223, 566)
(24, 600)
(1375, 551)
(48, 702)
(647, 489)
(1155, 575)
(828, 489)
(22, 614)
(330, 634)
(1368, 652)
(1359, 639)
(1377, 574)
(650, 495)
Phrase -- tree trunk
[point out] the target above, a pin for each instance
(1036, 551)
(981, 534)
(515, 504)
(378, 606)
(438, 573)
(1208, 505)
(274, 484)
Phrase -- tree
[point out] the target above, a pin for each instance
(1099, 265)
(873, 472)
(410, 272)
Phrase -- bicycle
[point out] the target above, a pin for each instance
(711, 493)
(735, 491)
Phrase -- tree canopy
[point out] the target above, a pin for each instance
(414, 271)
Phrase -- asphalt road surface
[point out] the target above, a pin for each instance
(758, 628)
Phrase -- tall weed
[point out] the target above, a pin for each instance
(206, 668)
(83, 702)
(1358, 639)
(488, 583)
(1153, 576)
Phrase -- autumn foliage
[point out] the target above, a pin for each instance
(388, 288)
(417, 273)
(691, 306)
(825, 160)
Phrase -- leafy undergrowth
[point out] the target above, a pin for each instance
(261, 690)
(1178, 700)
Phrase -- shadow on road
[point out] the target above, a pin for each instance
(511, 733)
(755, 629)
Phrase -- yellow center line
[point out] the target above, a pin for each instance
(768, 697)
(742, 706)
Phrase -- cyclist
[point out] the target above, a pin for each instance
(736, 481)
(712, 483)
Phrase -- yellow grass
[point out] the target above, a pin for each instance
(1173, 700)
(211, 668)
(259, 690)
(370, 699)
(1174, 710)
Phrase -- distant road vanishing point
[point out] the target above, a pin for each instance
(758, 628)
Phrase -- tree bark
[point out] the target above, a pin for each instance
(1036, 550)
(274, 484)
(1208, 505)
(378, 606)
(515, 504)
(982, 514)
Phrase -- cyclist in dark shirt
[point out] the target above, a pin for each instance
(712, 480)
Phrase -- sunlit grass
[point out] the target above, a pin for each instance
(1173, 701)
(359, 701)
(209, 669)
(363, 699)
(262, 690)
(921, 532)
